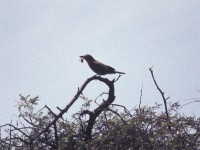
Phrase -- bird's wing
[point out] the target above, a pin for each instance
(110, 68)
(103, 65)
(100, 65)
(101, 68)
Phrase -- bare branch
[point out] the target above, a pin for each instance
(99, 96)
(163, 96)
(117, 78)
(140, 97)
(101, 107)
(125, 109)
(18, 129)
(96, 111)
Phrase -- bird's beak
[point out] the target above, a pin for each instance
(82, 58)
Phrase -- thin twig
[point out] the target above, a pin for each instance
(10, 135)
(140, 98)
(117, 114)
(56, 135)
(163, 97)
(125, 109)
(117, 78)
(99, 96)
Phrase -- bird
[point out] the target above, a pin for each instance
(98, 67)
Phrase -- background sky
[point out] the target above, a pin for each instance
(41, 41)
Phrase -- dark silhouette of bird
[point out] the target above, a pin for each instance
(98, 67)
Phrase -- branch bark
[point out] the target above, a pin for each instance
(104, 105)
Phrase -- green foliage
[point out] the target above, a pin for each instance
(142, 128)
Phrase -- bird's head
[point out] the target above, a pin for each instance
(87, 57)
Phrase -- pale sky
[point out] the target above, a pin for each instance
(41, 41)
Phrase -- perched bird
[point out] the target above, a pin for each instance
(98, 67)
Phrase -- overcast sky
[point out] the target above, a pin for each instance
(41, 41)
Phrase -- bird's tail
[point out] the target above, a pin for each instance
(119, 72)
